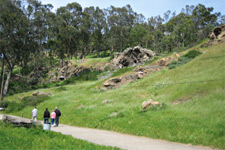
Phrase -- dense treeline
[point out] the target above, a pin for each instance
(29, 29)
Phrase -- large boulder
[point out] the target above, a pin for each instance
(111, 82)
(131, 57)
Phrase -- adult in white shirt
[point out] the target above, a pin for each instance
(34, 114)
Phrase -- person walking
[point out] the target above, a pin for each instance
(34, 114)
(53, 116)
(46, 116)
(58, 114)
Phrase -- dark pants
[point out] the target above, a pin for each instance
(53, 121)
(57, 120)
(46, 120)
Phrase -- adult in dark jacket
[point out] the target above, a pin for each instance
(46, 116)
(58, 114)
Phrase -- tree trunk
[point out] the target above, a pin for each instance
(112, 50)
(97, 53)
(5, 90)
(2, 77)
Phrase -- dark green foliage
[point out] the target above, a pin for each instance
(17, 87)
(102, 54)
(26, 101)
(4, 103)
(26, 70)
(192, 54)
(184, 59)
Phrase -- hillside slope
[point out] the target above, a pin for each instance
(192, 97)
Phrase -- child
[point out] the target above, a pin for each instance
(53, 116)
(34, 114)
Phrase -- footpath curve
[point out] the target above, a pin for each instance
(123, 141)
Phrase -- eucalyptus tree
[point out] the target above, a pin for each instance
(138, 34)
(67, 30)
(204, 19)
(14, 35)
(99, 22)
(39, 26)
(120, 21)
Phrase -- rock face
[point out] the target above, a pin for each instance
(131, 57)
(217, 36)
(218, 33)
(148, 103)
(66, 72)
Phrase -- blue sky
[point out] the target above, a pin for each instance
(146, 7)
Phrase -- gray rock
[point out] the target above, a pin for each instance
(107, 101)
(131, 57)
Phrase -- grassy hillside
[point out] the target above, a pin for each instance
(37, 139)
(198, 88)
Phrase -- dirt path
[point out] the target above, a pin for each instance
(123, 141)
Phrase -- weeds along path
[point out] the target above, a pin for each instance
(123, 141)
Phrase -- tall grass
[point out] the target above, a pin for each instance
(36, 139)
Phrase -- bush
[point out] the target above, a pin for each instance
(192, 54)
(4, 104)
(26, 101)
(184, 59)
(173, 64)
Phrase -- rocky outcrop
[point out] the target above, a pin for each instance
(216, 36)
(37, 75)
(148, 103)
(218, 33)
(67, 71)
(131, 57)
(138, 73)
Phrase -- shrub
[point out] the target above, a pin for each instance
(26, 101)
(192, 54)
(184, 59)
(4, 104)
(173, 64)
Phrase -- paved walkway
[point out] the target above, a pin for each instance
(123, 141)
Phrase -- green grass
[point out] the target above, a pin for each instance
(12, 137)
(94, 62)
(199, 118)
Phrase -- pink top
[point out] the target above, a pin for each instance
(53, 115)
